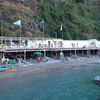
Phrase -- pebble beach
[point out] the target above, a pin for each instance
(50, 65)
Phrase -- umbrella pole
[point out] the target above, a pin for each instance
(44, 53)
(25, 55)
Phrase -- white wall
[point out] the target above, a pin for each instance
(98, 44)
(56, 43)
(75, 44)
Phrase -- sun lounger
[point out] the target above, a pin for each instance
(11, 70)
(2, 68)
(44, 59)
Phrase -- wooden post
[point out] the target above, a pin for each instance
(44, 53)
(82, 52)
(56, 54)
(88, 52)
(25, 55)
(98, 52)
(70, 53)
(75, 52)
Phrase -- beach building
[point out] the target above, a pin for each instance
(49, 45)
(15, 43)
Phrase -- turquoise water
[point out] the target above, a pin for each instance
(72, 84)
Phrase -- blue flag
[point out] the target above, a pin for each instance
(41, 22)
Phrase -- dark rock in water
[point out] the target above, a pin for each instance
(97, 83)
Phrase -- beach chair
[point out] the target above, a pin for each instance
(2, 68)
(10, 68)
(44, 59)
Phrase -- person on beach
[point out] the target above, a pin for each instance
(3, 60)
(62, 58)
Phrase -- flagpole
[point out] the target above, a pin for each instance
(56, 35)
(43, 39)
(62, 34)
(20, 34)
(1, 26)
(43, 30)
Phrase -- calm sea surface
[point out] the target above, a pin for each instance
(72, 84)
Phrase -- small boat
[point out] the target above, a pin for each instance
(97, 80)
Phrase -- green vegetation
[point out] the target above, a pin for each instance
(80, 18)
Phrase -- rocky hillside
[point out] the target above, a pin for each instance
(80, 18)
(13, 10)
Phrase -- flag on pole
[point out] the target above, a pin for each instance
(61, 28)
(18, 23)
(41, 22)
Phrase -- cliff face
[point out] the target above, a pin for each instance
(79, 18)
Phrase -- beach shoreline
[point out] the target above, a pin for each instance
(51, 65)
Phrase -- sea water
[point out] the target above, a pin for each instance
(72, 84)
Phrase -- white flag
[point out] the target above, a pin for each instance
(61, 28)
(18, 23)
